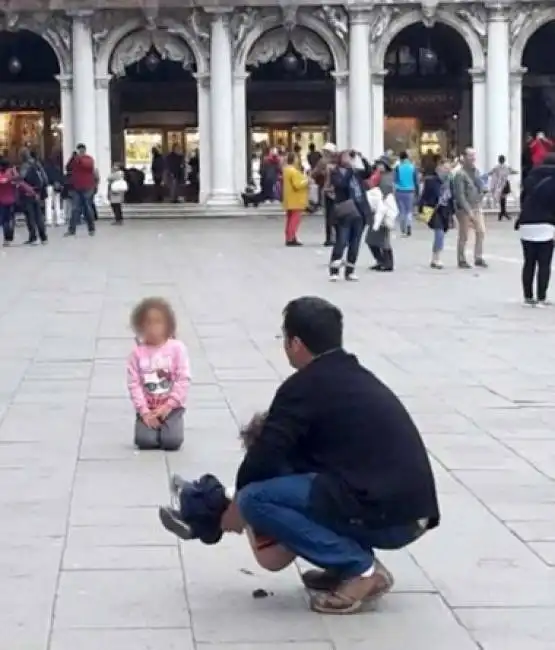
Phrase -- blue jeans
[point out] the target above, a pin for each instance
(348, 234)
(280, 508)
(81, 204)
(405, 203)
(439, 240)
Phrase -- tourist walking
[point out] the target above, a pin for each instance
(378, 235)
(500, 185)
(539, 147)
(175, 167)
(437, 209)
(294, 198)
(83, 179)
(536, 226)
(321, 175)
(117, 187)
(468, 194)
(33, 174)
(406, 191)
(350, 212)
(158, 170)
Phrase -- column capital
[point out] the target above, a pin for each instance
(359, 15)
(103, 82)
(341, 78)
(203, 80)
(499, 12)
(378, 76)
(65, 81)
(241, 77)
(478, 75)
(518, 73)
(81, 14)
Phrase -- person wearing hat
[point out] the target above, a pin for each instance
(378, 236)
(321, 175)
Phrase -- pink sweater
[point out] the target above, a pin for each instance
(158, 375)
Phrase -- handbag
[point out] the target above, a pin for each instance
(119, 186)
(391, 211)
(426, 213)
(344, 210)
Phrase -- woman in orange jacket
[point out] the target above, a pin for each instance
(294, 199)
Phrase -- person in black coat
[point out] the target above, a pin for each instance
(436, 206)
(358, 474)
(536, 226)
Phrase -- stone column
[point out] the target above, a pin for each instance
(103, 133)
(341, 109)
(517, 140)
(84, 103)
(66, 116)
(204, 134)
(359, 83)
(479, 117)
(240, 130)
(378, 113)
(221, 112)
(497, 84)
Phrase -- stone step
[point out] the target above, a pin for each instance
(190, 210)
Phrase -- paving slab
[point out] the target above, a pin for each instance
(83, 560)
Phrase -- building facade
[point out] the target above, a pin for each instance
(424, 76)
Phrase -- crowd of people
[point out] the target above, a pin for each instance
(376, 198)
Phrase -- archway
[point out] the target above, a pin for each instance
(538, 89)
(154, 105)
(290, 92)
(29, 95)
(428, 91)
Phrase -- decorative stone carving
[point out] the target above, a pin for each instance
(102, 24)
(273, 44)
(341, 78)
(137, 44)
(65, 81)
(243, 22)
(289, 16)
(200, 24)
(102, 83)
(338, 20)
(519, 15)
(429, 9)
(9, 20)
(380, 19)
(476, 17)
(203, 80)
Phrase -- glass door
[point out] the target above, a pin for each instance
(138, 144)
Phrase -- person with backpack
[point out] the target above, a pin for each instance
(32, 173)
(10, 185)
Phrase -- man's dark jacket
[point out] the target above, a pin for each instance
(338, 420)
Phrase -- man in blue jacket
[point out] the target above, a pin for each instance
(406, 191)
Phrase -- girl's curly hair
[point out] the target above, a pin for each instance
(140, 312)
(249, 433)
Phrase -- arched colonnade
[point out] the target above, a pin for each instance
(221, 48)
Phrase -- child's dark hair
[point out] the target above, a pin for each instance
(139, 314)
(249, 433)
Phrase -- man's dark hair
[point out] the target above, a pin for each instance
(403, 155)
(501, 159)
(312, 147)
(315, 322)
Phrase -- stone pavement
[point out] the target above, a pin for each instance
(83, 561)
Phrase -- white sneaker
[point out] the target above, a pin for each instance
(543, 303)
(353, 277)
(529, 303)
(334, 278)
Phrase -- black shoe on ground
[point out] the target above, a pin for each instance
(171, 520)
(409, 231)
(30, 242)
(44, 241)
(481, 263)
(92, 233)
(68, 233)
(376, 267)
(463, 264)
(328, 243)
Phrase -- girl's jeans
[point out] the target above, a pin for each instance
(439, 241)
(280, 508)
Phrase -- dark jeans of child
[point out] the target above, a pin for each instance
(168, 437)
(8, 222)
